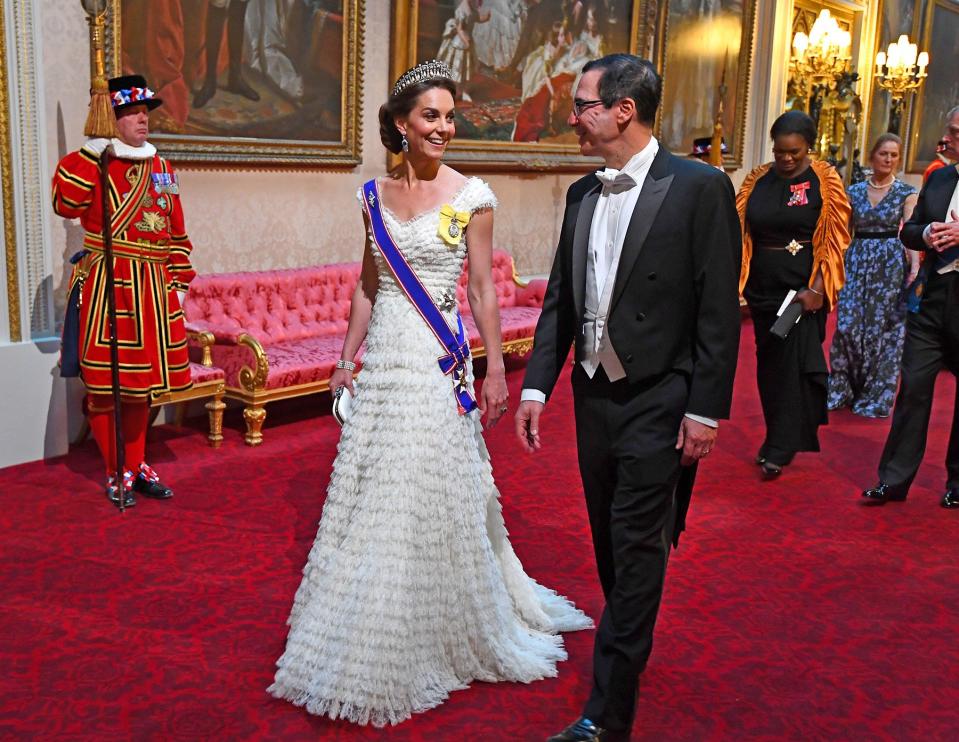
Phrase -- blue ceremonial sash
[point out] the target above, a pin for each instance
(456, 345)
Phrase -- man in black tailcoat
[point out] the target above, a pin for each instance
(932, 334)
(645, 284)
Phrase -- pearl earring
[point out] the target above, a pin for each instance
(405, 144)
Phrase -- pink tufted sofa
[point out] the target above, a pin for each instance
(278, 334)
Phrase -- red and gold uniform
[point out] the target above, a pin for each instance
(152, 263)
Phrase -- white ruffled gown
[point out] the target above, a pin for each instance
(412, 588)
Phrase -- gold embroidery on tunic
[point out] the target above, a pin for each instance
(151, 222)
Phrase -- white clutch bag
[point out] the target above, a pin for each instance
(343, 404)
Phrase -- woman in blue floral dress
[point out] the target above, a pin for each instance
(870, 326)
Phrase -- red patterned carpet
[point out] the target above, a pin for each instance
(792, 612)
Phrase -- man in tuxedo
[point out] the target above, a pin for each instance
(932, 334)
(645, 282)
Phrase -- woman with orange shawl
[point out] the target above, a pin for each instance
(795, 221)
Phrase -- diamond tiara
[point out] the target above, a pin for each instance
(429, 70)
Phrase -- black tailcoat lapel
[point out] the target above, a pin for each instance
(655, 187)
(584, 220)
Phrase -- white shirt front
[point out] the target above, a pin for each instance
(607, 233)
(614, 209)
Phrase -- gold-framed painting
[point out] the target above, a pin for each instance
(516, 64)
(247, 82)
(703, 49)
(940, 92)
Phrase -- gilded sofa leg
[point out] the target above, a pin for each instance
(215, 409)
(254, 416)
(179, 414)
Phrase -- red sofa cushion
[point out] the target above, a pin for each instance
(201, 374)
(275, 306)
(301, 361)
(502, 278)
(300, 315)
(515, 323)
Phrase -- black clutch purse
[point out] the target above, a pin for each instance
(789, 315)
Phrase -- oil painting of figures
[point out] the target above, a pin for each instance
(266, 70)
(518, 61)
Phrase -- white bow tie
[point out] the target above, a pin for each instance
(615, 180)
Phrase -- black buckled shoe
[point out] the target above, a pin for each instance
(113, 494)
(883, 493)
(148, 484)
(950, 500)
(583, 730)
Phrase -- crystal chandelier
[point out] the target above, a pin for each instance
(824, 53)
(900, 70)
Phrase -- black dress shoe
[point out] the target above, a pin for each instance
(770, 470)
(128, 500)
(113, 493)
(148, 488)
(583, 730)
(950, 500)
(883, 493)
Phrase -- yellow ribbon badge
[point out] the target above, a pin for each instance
(452, 224)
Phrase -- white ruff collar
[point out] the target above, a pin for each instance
(124, 151)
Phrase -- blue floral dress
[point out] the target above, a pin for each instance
(870, 326)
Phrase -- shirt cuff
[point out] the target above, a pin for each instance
(532, 395)
(925, 235)
(707, 421)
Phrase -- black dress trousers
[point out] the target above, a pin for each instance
(932, 342)
(626, 440)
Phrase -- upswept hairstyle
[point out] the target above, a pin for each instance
(400, 104)
(629, 76)
(882, 139)
(795, 122)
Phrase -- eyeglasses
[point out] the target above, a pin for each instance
(581, 105)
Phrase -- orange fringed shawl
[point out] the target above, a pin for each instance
(830, 239)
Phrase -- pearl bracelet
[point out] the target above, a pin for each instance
(348, 365)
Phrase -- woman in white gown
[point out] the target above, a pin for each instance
(412, 589)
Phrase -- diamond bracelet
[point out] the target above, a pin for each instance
(348, 365)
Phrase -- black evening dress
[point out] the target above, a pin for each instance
(791, 373)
